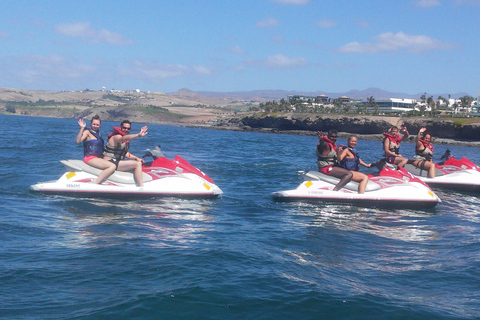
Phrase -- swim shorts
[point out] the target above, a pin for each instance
(88, 158)
(391, 159)
(326, 170)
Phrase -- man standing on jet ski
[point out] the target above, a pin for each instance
(327, 159)
(117, 149)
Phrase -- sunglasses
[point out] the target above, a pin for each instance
(126, 128)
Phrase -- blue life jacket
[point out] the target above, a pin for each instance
(351, 163)
(93, 147)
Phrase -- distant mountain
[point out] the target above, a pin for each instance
(268, 95)
(185, 96)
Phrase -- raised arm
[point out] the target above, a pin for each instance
(82, 134)
(143, 132)
(419, 137)
(322, 144)
(404, 132)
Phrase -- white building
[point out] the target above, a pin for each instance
(395, 105)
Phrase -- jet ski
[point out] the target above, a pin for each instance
(454, 174)
(162, 177)
(389, 188)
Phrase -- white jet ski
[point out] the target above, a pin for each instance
(390, 188)
(162, 177)
(454, 174)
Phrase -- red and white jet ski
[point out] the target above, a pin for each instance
(455, 174)
(390, 187)
(162, 177)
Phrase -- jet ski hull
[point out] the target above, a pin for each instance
(175, 178)
(382, 191)
(449, 177)
(80, 185)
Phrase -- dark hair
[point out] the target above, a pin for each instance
(96, 117)
(391, 128)
(125, 121)
(332, 131)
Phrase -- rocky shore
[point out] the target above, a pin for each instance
(447, 131)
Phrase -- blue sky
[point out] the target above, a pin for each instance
(408, 46)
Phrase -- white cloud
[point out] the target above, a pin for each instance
(427, 3)
(327, 24)
(54, 69)
(202, 70)
(467, 2)
(84, 31)
(390, 42)
(236, 49)
(152, 71)
(278, 39)
(363, 24)
(271, 22)
(296, 2)
(157, 72)
(280, 60)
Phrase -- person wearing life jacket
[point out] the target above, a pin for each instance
(424, 152)
(349, 159)
(391, 145)
(93, 148)
(117, 147)
(327, 159)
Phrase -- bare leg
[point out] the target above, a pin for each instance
(344, 175)
(107, 166)
(401, 162)
(136, 167)
(362, 179)
(431, 170)
(426, 165)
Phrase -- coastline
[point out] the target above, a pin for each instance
(234, 123)
(373, 137)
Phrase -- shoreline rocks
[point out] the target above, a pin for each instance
(443, 131)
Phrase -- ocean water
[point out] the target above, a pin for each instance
(242, 256)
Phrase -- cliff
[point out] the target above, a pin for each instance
(467, 129)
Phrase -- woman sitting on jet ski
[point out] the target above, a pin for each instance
(93, 148)
(349, 159)
(117, 149)
(424, 152)
(327, 159)
(391, 145)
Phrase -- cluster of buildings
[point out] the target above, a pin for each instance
(386, 105)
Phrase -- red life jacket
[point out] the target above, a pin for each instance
(330, 143)
(426, 144)
(395, 140)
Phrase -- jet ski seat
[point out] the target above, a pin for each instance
(352, 185)
(421, 172)
(118, 176)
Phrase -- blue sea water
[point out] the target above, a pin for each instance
(242, 256)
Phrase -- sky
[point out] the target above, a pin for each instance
(407, 46)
